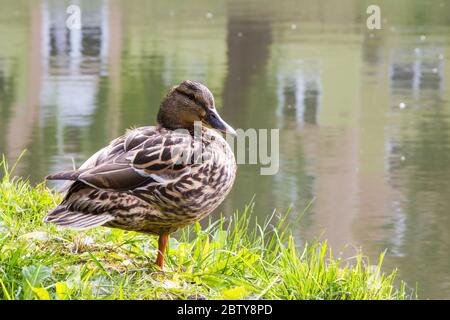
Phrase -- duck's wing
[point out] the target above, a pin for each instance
(142, 156)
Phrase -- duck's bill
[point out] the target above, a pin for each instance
(215, 121)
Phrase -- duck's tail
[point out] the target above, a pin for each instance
(64, 175)
(64, 217)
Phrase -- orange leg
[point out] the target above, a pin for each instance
(162, 244)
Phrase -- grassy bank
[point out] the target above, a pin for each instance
(229, 259)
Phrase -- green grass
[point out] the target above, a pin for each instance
(229, 259)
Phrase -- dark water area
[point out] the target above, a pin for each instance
(363, 115)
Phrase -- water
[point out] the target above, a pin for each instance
(364, 116)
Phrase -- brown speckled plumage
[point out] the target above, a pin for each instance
(154, 179)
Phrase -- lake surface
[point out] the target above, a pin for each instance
(364, 115)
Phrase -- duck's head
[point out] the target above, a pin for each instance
(187, 103)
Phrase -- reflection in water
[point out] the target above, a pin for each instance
(248, 43)
(417, 69)
(299, 97)
(73, 62)
(364, 116)
(7, 93)
(418, 157)
(298, 103)
(415, 73)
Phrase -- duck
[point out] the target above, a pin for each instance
(154, 179)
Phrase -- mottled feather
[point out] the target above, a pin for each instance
(150, 180)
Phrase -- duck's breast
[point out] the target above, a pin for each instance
(199, 192)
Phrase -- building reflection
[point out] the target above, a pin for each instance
(74, 60)
(418, 156)
(416, 70)
(416, 82)
(299, 97)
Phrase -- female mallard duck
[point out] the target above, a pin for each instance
(154, 179)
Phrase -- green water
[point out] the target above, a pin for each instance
(364, 116)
